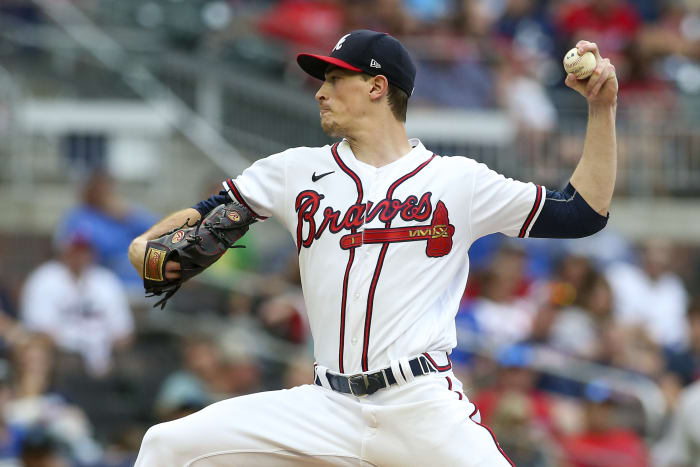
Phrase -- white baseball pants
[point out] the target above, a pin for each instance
(425, 422)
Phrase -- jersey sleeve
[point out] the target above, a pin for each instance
(501, 204)
(261, 187)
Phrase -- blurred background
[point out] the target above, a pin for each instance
(116, 112)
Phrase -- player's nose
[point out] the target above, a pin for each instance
(321, 93)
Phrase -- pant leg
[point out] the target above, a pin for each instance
(307, 425)
(430, 422)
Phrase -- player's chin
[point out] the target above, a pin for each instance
(331, 128)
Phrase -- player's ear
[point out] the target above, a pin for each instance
(380, 86)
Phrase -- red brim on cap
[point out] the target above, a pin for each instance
(316, 65)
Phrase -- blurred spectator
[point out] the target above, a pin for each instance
(528, 105)
(6, 307)
(528, 25)
(40, 449)
(454, 62)
(604, 442)
(649, 10)
(644, 89)
(82, 306)
(210, 373)
(681, 445)
(612, 24)
(313, 24)
(526, 100)
(675, 32)
(299, 371)
(35, 405)
(569, 279)
(542, 324)
(686, 363)
(502, 316)
(645, 94)
(603, 248)
(516, 377)
(465, 79)
(111, 225)
(390, 16)
(123, 451)
(578, 329)
(9, 329)
(284, 316)
(200, 382)
(11, 434)
(652, 296)
(631, 348)
(526, 443)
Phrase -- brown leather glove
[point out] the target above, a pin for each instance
(194, 247)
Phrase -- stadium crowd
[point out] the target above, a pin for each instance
(562, 344)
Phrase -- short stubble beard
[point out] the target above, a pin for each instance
(331, 128)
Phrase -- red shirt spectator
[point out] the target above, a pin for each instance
(515, 377)
(304, 23)
(603, 442)
(612, 448)
(612, 24)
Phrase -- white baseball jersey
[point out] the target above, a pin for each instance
(383, 259)
(383, 251)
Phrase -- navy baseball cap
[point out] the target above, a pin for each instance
(371, 52)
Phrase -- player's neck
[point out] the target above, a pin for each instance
(380, 145)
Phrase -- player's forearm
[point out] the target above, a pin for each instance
(594, 177)
(137, 249)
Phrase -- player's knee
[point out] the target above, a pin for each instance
(154, 439)
(161, 441)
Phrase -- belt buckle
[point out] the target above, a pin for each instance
(359, 380)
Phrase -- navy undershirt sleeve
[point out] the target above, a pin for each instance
(566, 214)
(204, 207)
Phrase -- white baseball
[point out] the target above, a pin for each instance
(581, 66)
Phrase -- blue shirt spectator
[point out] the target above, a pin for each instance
(111, 225)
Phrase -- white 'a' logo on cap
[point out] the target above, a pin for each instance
(340, 42)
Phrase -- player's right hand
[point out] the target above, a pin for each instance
(172, 270)
(601, 87)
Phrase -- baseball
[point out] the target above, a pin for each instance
(581, 66)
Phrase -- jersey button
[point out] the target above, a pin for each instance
(357, 296)
(353, 340)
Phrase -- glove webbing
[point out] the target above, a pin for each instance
(194, 240)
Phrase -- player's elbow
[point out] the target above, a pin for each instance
(566, 214)
(592, 225)
(572, 226)
(136, 252)
(133, 246)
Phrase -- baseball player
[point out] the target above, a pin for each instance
(382, 227)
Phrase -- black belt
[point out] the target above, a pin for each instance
(365, 384)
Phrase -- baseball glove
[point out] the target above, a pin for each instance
(195, 247)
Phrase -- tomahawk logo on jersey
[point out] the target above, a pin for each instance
(414, 219)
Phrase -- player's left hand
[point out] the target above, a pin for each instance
(600, 89)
